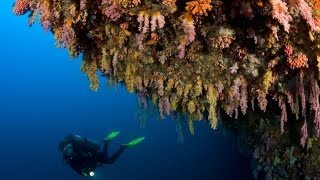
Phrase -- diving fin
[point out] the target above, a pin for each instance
(112, 135)
(134, 142)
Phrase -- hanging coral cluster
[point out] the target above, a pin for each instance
(21, 7)
(197, 55)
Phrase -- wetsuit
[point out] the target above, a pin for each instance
(84, 155)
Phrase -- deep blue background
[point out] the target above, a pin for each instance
(44, 96)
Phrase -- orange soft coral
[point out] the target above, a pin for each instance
(316, 7)
(21, 7)
(199, 7)
(169, 2)
(301, 60)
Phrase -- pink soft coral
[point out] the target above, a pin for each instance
(189, 29)
(304, 133)
(280, 13)
(306, 13)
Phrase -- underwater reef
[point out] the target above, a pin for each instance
(254, 60)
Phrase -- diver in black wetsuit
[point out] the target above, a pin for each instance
(84, 156)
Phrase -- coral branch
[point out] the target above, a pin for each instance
(21, 7)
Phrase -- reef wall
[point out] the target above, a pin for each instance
(198, 56)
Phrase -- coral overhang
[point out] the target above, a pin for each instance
(199, 55)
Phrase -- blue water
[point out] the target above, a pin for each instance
(44, 96)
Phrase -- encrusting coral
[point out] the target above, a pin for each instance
(196, 56)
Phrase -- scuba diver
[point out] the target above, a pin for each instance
(84, 156)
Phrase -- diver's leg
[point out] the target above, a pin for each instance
(105, 149)
(123, 147)
(116, 155)
(103, 155)
(106, 141)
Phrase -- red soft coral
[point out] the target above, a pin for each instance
(21, 7)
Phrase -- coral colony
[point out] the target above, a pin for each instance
(200, 56)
